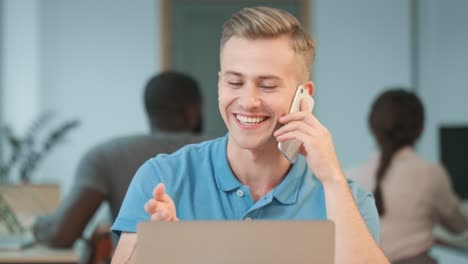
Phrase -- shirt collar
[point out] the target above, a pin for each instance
(286, 192)
(224, 177)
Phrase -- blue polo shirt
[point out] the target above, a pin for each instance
(203, 187)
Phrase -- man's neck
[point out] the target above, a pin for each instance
(262, 170)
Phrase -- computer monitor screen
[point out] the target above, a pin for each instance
(454, 155)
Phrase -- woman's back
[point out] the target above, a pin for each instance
(411, 194)
(417, 195)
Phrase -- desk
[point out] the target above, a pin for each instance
(449, 248)
(39, 254)
(454, 241)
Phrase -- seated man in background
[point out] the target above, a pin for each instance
(411, 194)
(173, 105)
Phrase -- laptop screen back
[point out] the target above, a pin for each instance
(214, 242)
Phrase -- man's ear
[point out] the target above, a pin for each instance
(309, 86)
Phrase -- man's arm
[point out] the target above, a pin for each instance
(66, 224)
(126, 249)
(354, 242)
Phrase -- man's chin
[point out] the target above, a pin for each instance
(254, 143)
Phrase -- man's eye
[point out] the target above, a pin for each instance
(268, 86)
(236, 84)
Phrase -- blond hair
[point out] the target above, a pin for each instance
(267, 22)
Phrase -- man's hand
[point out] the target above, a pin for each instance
(352, 234)
(317, 145)
(161, 207)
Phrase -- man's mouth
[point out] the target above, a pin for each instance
(249, 120)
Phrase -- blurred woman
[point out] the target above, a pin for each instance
(411, 194)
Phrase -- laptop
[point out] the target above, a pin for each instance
(19, 207)
(234, 242)
(16, 241)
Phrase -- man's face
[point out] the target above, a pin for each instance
(256, 84)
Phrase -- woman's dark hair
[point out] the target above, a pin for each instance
(396, 119)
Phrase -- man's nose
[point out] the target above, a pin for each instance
(250, 97)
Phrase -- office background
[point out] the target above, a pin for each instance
(90, 60)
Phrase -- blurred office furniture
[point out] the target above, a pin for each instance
(39, 254)
(28, 201)
(450, 248)
(25, 202)
(100, 247)
(453, 143)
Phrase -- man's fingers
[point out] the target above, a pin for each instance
(163, 215)
(159, 191)
(147, 207)
(304, 106)
(160, 207)
(158, 216)
(151, 206)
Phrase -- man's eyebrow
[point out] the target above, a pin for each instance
(261, 77)
(232, 73)
(274, 77)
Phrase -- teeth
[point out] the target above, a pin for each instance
(249, 120)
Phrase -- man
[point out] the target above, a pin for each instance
(173, 106)
(264, 56)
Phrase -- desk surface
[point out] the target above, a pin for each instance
(39, 254)
(454, 241)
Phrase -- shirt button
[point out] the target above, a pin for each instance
(240, 193)
(248, 219)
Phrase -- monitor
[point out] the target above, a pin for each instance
(454, 156)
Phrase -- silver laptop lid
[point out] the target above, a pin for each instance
(226, 242)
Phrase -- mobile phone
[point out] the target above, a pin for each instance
(290, 148)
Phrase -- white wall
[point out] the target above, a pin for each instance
(89, 60)
(443, 68)
(20, 63)
(363, 47)
(2, 154)
(20, 77)
(96, 58)
(83, 59)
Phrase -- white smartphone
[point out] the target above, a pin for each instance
(290, 148)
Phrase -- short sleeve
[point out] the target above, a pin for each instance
(139, 192)
(366, 204)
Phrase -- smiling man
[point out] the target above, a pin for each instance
(265, 56)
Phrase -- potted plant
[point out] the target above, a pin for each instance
(24, 155)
